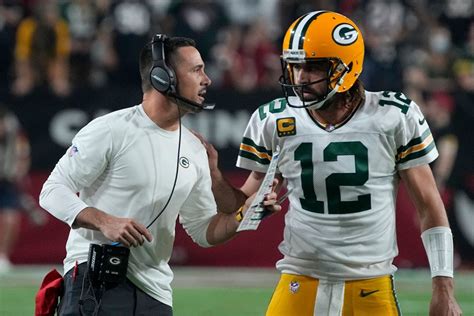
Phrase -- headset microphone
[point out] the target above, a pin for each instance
(191, 105)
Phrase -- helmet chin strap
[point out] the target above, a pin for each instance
(315, 105)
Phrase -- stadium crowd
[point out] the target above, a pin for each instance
(61, 50)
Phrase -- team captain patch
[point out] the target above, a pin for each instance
(286, 126)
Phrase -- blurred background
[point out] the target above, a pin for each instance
(63, 63)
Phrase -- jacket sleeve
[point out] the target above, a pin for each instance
(80, 166)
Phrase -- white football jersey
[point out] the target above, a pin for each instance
(341, 219)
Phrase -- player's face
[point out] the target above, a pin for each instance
(313, 75)
(192, 80)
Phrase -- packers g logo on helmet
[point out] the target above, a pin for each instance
(344, 34)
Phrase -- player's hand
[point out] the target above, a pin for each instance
(212, 154)
(443, 302)
(125, 231)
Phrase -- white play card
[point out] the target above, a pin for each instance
(254, 215)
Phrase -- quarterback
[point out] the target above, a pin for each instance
(343, 152)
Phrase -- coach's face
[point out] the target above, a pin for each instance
(191, 78)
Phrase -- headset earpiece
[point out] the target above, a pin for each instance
(162, 77)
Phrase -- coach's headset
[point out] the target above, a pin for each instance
(163, 78)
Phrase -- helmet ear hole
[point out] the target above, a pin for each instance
(337, 72)
(340, 67)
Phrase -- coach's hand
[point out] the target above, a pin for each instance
(212, 154)
(123, 230)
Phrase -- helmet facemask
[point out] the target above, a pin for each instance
(294, 93)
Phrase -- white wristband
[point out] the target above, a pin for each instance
(438, 242)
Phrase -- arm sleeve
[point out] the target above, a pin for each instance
(414, 141)
(199, 208)
(80, 166)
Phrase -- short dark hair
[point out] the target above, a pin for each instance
(146, 59)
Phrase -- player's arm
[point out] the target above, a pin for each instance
(436, 236)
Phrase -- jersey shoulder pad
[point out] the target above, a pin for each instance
(395, 101)
(271, 108)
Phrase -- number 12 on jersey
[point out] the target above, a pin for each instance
(309, 201)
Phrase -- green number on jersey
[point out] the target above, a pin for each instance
(276, 106)
(401, 101)
(304, 154)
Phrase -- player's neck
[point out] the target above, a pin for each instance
(336, 113)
